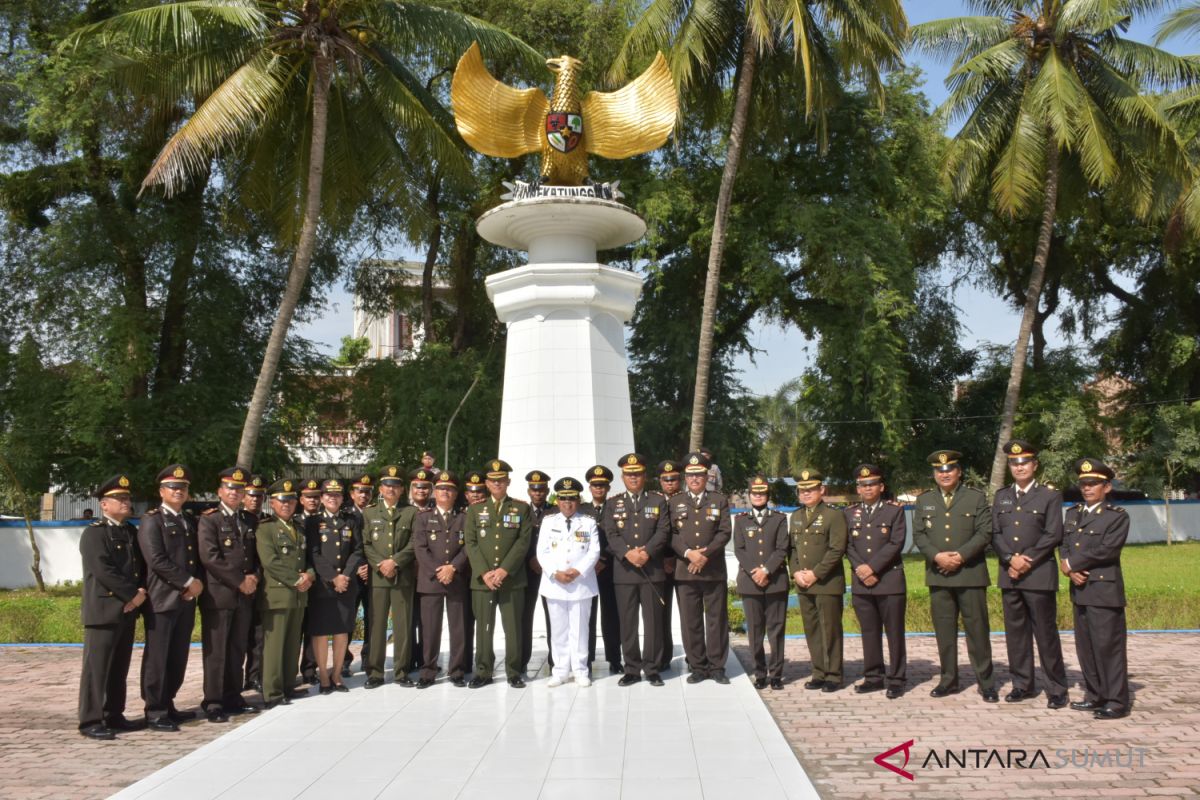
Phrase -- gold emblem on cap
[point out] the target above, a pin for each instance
(178, 473)
(669, 468)
(943, 458)
(445, 476)
(694, 460)
(631, 460)
(391, 472)
(804, 475)
(1016, 448)
(1086, 466)
(287, 486)
(537, 476)
(598, 471)
(495, 466)
(123, 482)
(866, 473)
(237, 475)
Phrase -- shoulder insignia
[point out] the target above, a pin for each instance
(208, 511)
(98, 522)
(1117, 509)
(152, 512)
(267, 518)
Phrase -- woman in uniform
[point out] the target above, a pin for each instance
(335, 551)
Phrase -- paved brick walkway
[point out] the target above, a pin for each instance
(837, 736)
(42, 754)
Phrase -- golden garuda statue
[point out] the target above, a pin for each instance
(498, 120)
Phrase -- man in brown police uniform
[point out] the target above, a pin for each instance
(952, 528)
(1093, 535)
(113, 592)
(637, 527)
(167, 539)
(877, 585)
(668, 486)
(818, 534)
(228, 553)
(604, 605)
(362, 490)
(1027, 526)
(761, 544)
(420, 495)
(700, 530)
(442, 575)
(252, 502)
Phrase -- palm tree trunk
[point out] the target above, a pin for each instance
(716, 250)
(431, 256)
(1032, 297)
(298, 274)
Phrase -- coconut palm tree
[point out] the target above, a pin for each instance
(715, 43)
(292, 90)
(1049, 91)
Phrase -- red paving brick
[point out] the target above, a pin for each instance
(42, 754)
(836, 736)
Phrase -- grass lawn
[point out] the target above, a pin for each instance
(1160, 588)
(1161, 592)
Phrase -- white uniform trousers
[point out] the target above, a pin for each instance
(569, 635)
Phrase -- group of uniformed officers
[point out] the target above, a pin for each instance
(276, 589)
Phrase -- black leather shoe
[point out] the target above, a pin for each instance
(272, 703)
(341, 687)
(944, 691)
(1111, 713)
(98, 732)
(990, 695)
(720, 677)
(459, 681)
(516, 682)
(1086, 705)
(1056, 701)
(374, 683)
(629, 680)
(868, 686)
(776, 684)
(405, 681)
(1017, 695)
(654, 679)
(814, 684)
(477, 682)
(614, 667)
(893, 692)
(697, 677)
(217, 716)
(760, 682)
(831, 686)
(162, 724)
(424, 683)
(175, 715)
(123, 725)
(326, 689)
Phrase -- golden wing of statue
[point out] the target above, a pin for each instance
(636, 118)
(496, 119)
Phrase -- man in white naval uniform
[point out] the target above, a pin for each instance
(568, 548)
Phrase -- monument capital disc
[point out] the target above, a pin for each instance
(561, 229)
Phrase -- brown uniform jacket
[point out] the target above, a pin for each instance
(228, 554)
(700, 524)
(113, 571)
(168, 543)
(334, 547)
(437, 542)
(630, 523)
(818, 543)
(761, 545)
(1033, 527)
(877, 540)
(1092, 543)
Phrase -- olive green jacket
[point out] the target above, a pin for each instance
(387, 533)
(818, 542)
(283, 555)
(965, 527)
(498, 536)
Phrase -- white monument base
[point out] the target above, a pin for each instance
(566, 382)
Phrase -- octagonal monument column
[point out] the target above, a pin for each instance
(566, 380)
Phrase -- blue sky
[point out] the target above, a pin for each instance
(784, 353)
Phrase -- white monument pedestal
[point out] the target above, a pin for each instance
(566, 381)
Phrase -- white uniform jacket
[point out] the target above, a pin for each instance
(558, 549)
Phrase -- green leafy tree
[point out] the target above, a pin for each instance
(715, 43)
(293, 85)
(1052, 97)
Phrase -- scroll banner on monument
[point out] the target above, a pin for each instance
(520, 190)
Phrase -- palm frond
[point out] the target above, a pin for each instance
(1151, 68)
(1183, 21)
(1017, 178)
(175, 27)
(1057, 97)
(444, 34)
(956, 37)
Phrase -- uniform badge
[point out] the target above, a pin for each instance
(433, 537)
(228, 542)
(324, 537)
(375, 535)
(285, 550)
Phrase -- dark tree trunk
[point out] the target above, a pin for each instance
(188, 207)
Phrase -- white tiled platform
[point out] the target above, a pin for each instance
(678, 741)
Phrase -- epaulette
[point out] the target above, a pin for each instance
(208, 511)
(95, 522)
(426, 510)
(1114, 508)
(152, 512)
(267, 518)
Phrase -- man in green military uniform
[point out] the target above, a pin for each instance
(952, 526)
(287, 577)
(497, 537)
(818, 534)
(387, 544)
